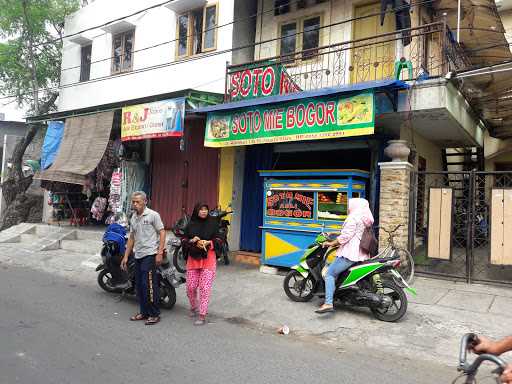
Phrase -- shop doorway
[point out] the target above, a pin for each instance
(181, 178)
(334, 159)
(291, 156)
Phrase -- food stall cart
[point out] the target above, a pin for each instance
(300, 204)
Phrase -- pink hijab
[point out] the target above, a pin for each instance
(360, 208)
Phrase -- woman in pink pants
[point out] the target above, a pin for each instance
(198, 247)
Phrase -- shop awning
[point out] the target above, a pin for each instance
(83, 145)
(377, 85)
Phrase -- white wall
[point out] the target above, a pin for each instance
(244, 30)
(152, 27)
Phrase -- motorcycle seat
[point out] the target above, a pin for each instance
(373, 260)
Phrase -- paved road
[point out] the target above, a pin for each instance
(54, 330)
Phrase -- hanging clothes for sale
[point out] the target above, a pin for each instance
(133, 179)
(402, 10)
(98, 208)
(106, 166)
(114, 199)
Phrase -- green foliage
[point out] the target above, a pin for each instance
(33, 30)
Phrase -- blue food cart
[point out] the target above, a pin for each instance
(299, 204)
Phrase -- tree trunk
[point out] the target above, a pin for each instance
(18, 204)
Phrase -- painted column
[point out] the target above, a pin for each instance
(395, 179)
(230, 189)
(227, 160)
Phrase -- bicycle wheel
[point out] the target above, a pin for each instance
(406, 268)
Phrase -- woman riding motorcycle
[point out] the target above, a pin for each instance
(349, 251)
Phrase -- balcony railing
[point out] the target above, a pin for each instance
(431, 53)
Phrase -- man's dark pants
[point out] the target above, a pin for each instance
(146, 283)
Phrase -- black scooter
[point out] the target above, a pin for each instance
(112, 279)
(223, 232)
(178, 229)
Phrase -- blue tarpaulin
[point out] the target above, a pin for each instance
(51, 143)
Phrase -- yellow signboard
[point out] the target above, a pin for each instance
(153, 120)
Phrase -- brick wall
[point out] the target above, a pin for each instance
(394, 201)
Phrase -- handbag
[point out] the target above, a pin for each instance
(369, 243)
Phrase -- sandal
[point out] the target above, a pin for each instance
(138, 317)
(193, 313)
(201, 320)
(152, 320)
(325, 310)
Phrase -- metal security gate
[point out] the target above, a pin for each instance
(461, 225)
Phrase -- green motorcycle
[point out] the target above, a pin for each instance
(374, 283)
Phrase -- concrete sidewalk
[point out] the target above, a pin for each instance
(436, 319)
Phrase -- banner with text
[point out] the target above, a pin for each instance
(305, 119)
(154, 120)
(270, 80)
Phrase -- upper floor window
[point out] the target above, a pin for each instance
(282, 7)
(300, 36)
(122, 51)
(85, 62)
(197, 31)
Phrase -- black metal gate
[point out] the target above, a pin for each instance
(467, 219)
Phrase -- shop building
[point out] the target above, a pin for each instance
(312, 55)
(127, 93)
(313, 92)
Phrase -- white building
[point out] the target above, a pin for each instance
(120, 53)
(150, 53)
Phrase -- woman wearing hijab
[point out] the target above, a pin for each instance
(199, 248)
(349, 252)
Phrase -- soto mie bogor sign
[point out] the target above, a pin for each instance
(304, 119)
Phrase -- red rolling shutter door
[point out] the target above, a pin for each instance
(174, 184)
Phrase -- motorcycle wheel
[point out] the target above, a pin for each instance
(406, 268)
(179, 261)
(104, 278)
(297, 287)
(167, 297)
(399, 303)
